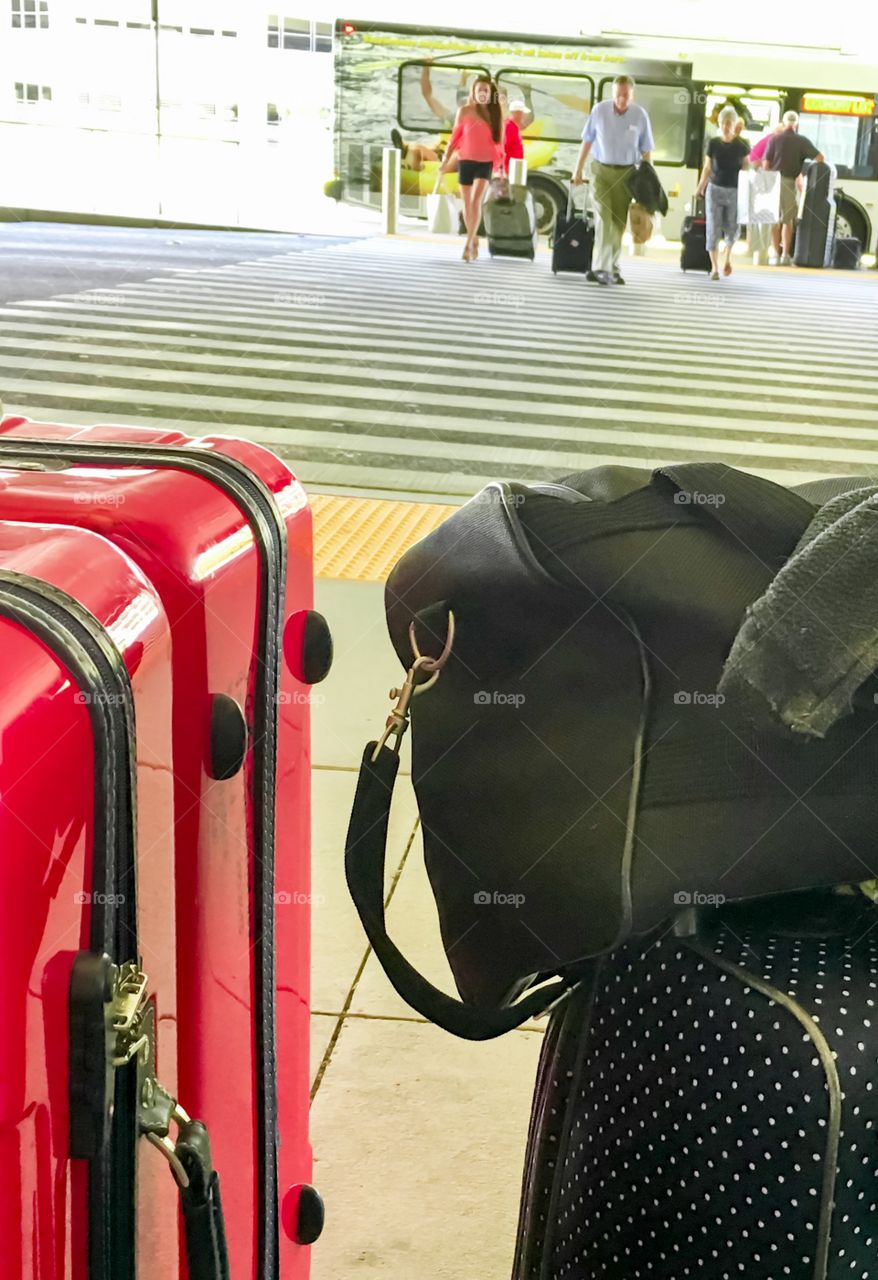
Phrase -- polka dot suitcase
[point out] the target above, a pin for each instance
(707, 1105)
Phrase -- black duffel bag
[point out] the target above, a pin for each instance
(578, 777)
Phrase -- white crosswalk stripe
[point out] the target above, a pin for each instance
(393, 366)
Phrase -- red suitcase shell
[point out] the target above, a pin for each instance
(54, 898)
(201, 519)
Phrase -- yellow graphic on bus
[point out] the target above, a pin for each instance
(838, 104)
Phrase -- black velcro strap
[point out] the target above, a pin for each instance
(765, 517)
(738, 763)
(364, 867)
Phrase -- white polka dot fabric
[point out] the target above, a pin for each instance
(681, 1120)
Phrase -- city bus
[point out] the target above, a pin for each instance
(404, 83)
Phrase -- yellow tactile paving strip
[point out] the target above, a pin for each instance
(362, 538)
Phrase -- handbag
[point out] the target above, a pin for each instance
(441, 211)
(642, 224)
(579, 779)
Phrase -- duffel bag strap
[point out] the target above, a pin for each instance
(765, 517)
(364, 867)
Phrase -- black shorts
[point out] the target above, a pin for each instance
(469, 170)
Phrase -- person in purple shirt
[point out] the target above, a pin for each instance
(786, 154)
(620, 134)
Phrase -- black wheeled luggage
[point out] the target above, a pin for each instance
(572, 239)
(846, 253)
(694, 255)
(815, 227)
(706, 1104)
(510, 221)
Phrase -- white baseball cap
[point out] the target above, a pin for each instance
(518, 105)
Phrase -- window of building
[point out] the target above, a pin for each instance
(272, 115)
(30, 13)
(101, 101)
(32, 93)
(299, 33)
(222, 111)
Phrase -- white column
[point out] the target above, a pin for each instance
(390, 190)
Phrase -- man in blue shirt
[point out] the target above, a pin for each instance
(620, 133)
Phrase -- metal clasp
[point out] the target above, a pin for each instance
(126, 1014)
(397, 721)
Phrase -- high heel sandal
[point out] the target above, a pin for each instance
(467, 252)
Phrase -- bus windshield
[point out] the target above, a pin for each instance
(850, 142)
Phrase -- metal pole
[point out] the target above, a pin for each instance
(518, 173)
(390, 190)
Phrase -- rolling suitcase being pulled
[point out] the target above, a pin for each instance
(706, 1104)
(846, 253)
(220, 530)
(816, 225)
(694, 255)
(572, 239)
(510, 221)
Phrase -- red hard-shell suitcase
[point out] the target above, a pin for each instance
(84, 642)
(222, 530)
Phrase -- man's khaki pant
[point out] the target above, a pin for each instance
(612, 201)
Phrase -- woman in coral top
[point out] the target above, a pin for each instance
(478, 140)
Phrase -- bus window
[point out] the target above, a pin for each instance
(849, 142)
(668, 107)
(430, 94)
(760, 110)
(559, 104)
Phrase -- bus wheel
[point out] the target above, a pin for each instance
(851, 223)
(549, 200)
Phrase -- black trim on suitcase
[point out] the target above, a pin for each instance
(258, 505)
(82, 645)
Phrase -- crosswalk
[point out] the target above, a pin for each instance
(391, 366)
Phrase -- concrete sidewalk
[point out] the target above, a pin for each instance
(419, 1138)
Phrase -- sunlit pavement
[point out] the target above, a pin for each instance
(419, 1138)
(388, 365)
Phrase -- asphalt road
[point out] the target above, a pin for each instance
(41, 259)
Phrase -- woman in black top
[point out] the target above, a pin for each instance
(726, 157)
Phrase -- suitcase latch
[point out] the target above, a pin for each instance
(133, 1021)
